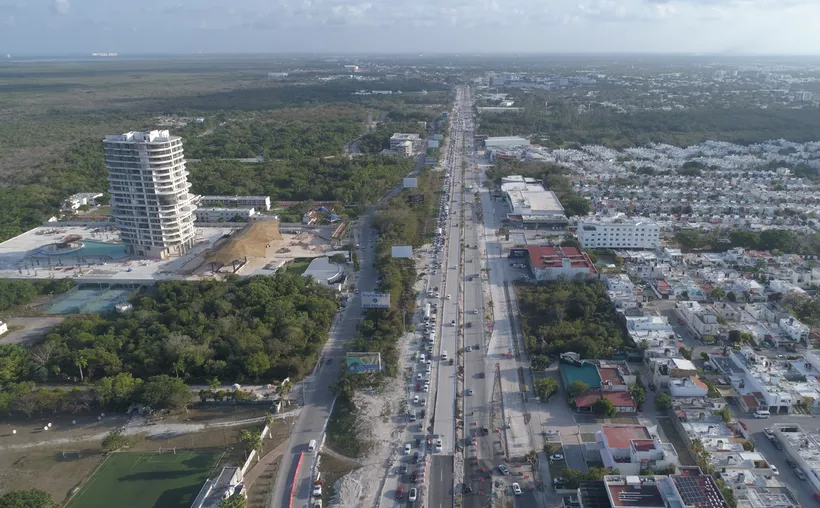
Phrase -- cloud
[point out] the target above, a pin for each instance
(62, 6)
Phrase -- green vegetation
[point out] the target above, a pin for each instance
(563, 125)
(663, 401)
(638, 394)
(235, 501)
(115, 440)
(33, 498)
(147, 480)
(566, 316)
(359, 180)
(807, 310)
(298, 266)
(546, 388)
(21, 292)
(240, 329)
(554, 177)
(341, 428)
(604, 407)
(574, 477)
(775, 240)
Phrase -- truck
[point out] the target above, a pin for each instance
(427, 312)
(439, 231)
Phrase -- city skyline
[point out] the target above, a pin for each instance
(494, 26)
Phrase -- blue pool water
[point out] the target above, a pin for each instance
(90, 248)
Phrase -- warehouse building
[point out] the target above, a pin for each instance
(531, 204)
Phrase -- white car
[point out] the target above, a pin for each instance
(416, 399)
(516, 489)
(413, 495)
(557, 456)
(317, 489)
(426, 387)
(407, 449)
(449, 297)
(774, 470)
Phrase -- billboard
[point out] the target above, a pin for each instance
(402, 251)
(375, 300)
(415, 199)
(410, 183)
(364, 362)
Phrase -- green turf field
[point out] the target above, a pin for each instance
(146, 480)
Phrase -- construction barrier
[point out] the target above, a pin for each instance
(295, 477)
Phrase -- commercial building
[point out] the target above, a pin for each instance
(224, 214)
(75, 201)
(552, 263)
(399, 138)
(689, 489)
(258, 202)
(619, 232)
(150, 198)
(530, 203)
(505, 142)
(803, 447)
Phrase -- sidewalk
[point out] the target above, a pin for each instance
(258, 468)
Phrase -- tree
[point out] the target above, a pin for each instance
(725, 414)
(686, 353)
(251, 440)
(718, 293)
(545, 388)
(338, 259)
(33, 498)
(284, 388)
(117, 390)
(115, 440)
(235, 501)
(731, 296)
(638, 394)
(80, 361)
(704, 356)
(577, 388)
(13, 363)
(165, 392)
(663, 401)
(604, 407)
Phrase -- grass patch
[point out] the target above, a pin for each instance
(298, 265)
(341, 433)
(147, 480)
(522, 384)
(333, 468)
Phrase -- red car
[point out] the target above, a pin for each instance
(399, 492)
(418, 387)
(743, 424)
(816, 496)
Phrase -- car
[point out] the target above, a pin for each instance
(317, 489)
(769, 433)
(800, 474)
(399, 492)
(774, 470)
(469, 391)
(452, 361)
(416, 399)
(422, 401)
(557, 456)
(467, 489)
(475, 311)
(438, 445)
(482, 375)
(402, 469)
(418, 442)
(816, 496)
(449, 297)
(743, 424)
(416, 457)
(560, 480)
(407, 448)
(791, 463)
(418, 387)
(516, 488)
(485, 431)
(504, 469)
(469, 325)
(453, 323)
(329, 361)
(419, 376)
(426, 387)
(414, 478)
(412, 496)
(317, 503)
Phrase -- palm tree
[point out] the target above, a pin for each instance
(80, 361)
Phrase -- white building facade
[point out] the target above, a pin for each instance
(619, 232)
(150, 198)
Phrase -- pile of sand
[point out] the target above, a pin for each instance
(252, 241)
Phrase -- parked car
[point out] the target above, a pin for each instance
(559, 480)
(516, 488)
(504, 469)
(317, 488)
(557, 456)
(799, 474)
(407, 448)
(412, 496)
(743, 424)
(399, 492)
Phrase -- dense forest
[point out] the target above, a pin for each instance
(238, 330)
(553, 176)
(566, 316)
(562, 123)
(359, 180)
(775, 240)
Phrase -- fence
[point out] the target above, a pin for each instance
(253, 454)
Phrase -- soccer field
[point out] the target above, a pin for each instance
(146, 480)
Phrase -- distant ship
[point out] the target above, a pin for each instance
(104, 54)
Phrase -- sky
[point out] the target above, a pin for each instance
(415, 26)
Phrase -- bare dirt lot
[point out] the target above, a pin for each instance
(33, 329)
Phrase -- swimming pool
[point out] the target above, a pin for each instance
(89, 248)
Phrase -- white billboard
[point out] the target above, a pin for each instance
(410, 183)
(402, 251)
(375, 300)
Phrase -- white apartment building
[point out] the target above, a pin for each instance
(631, 448)
(701, 320)
(258, 202)
(619, 232)
(796, 330)
(150, 198)
(398, 138)
(224, 214)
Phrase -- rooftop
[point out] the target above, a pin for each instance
(698, 490)
(639, 491)
(618, 399)
(619, 436)
(544, 256)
